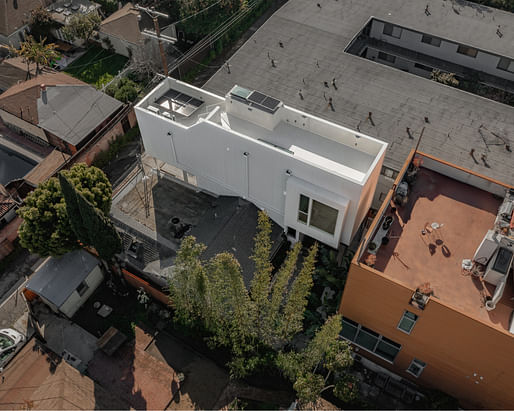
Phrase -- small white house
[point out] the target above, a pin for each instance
(65, 283)
(312, 177)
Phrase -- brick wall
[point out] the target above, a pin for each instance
(89, 155)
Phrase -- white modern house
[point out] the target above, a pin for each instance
(312, 177)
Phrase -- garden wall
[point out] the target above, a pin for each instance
(88, 155)
(137, 282)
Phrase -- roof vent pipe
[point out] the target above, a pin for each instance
(43, 94)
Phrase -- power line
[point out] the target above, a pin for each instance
(215, 35)
(193, 15)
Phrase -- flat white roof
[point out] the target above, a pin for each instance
(332, 147)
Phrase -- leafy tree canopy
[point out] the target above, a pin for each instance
(124, 90)
(46, 228)
(81, 26)
(213, 296)
(325, 351)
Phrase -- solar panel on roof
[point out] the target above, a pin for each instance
(183, 98)
(172, 93)
(270, 103)
(257, 97)
(178, 102)
(195, 102)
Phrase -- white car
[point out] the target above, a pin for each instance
(10, 340)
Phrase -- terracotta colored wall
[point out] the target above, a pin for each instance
(132, 118)
(89, 155)
(453, 346)
(137, 282)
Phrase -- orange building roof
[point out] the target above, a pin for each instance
(415, 255)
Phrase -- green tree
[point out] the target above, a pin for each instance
(279, 292)
(326, 351)
(89, 224)
(188, 284)
(102, 233)
(41, 22)
(73, 211)
(81, 26)
(124, 90)
(36, 52)
(46, 228)
(297, 299)
(231, 311)
(261, 282)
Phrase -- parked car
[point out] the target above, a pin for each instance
(10, 341)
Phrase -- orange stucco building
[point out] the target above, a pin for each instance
(411, 303)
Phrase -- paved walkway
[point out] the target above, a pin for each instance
(131, 373)
(204, 380)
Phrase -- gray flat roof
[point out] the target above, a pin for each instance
(58, 277)
(72, 112)
(314, 40)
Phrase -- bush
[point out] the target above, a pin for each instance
(124, 90)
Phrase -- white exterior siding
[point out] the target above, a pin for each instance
(215, 154)
(75, 301)
(409, 39)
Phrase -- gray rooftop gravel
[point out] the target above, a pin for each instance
(314, 40)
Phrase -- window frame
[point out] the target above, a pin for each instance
(304, 213)
(386, 30)
(510, 63)
(418, 363)
(380, 340)
(386, 57)
(405, 317)
(82, 288)
(423, 67)
(427, 39)
(465, 51)
(386, 170)
(308, 214)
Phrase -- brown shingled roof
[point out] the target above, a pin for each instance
(13, 14)
(21, 99)
(123, 24)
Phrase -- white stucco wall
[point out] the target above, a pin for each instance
(411, 40)
(75, 301)
(215, 155)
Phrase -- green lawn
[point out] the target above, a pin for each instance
(97, 66)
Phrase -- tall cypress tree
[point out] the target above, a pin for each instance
(72, 208)
(89, 223)
(297, 299)
(102, 234)
(260, 286)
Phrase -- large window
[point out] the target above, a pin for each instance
(407, 322)
(392, 30)
(370, 340)
(506, 64)
(467, 51)
(316, 214)
(433, 41)
(416, 367)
